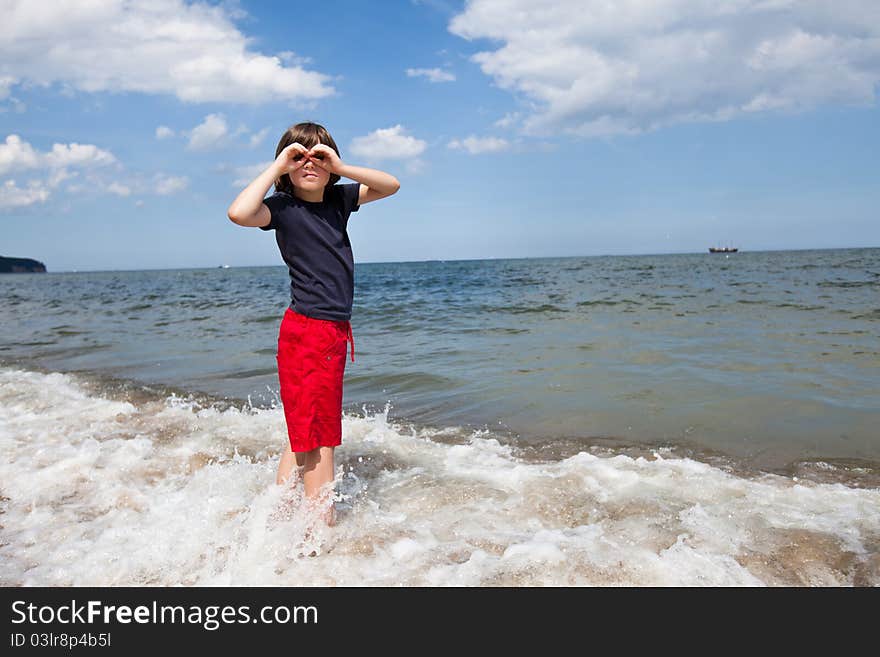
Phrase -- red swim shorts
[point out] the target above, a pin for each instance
(311, 364)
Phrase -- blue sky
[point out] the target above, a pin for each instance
(516, 128)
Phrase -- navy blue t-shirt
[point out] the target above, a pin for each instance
(314, 243)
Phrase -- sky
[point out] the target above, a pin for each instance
(517, 128)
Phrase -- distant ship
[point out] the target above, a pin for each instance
(723, 249)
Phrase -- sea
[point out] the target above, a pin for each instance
(639, 420)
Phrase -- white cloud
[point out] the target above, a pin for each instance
(415, 166)
(191, 50)
(58, 176)
(164, 132)
(387, 144)
(6, 81)
(245, 175)
(17, 155)
(433, 74)
(507, 120)
(258, 137)
(165, 184)
(476, 145)
(12, 196)
(209, 134)
(16, 105)
(118, 189)
(74, 154)
(590, 67)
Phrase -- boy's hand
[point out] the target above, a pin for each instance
(291, 158)
(325, 157)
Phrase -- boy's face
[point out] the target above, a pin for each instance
(310, 176)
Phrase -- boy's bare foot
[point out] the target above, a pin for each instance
(330, 515)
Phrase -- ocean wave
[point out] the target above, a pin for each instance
(101, 489)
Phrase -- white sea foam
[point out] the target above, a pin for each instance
(168, 491)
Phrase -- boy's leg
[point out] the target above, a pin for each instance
(289, 458)
(317, 473)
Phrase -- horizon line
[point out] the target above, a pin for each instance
(397, 262)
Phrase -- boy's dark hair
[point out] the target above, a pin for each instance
(308, 134)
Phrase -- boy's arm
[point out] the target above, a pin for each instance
(375, 184)
(248, 208)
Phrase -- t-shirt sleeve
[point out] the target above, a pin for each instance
(350, 194)
(274, 203)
